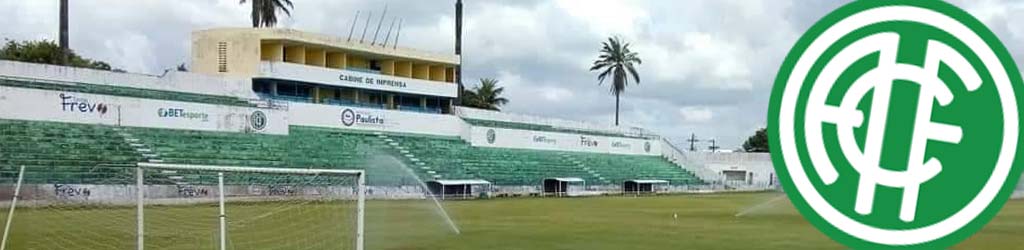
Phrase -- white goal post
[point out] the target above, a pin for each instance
(222, 170)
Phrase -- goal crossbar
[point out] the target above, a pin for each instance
(140, 194)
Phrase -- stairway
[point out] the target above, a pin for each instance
(408, 155)
(578, 163)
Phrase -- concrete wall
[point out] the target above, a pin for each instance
(681, 159)
(239, 52)
(330, 116)
(72, 194)
(45, 105)
(760, 164)
(35, 195)
(172, 81)
(529, 139)
(1019, 193)
(472, 113)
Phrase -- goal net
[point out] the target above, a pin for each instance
(182, 207)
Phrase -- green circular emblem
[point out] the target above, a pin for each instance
(258, 120)
(895, 124)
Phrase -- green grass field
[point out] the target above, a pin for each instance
(704, 222)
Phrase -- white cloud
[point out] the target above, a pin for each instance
(986, 10)
(702, 57)
(606, 16)
(555, 94)
(134, 53)
(696, 114)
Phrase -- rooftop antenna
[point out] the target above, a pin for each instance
(382, 15)
(368, 16)
(353, 29)
(388, 36)
(398, 32)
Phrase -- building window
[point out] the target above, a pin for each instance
(261, 87)
(408, 101)
(375, 65)
(286, 89)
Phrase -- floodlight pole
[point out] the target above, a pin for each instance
(223, 218)
(14, 203)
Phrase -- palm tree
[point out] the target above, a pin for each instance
(64, 47)
(486, 96)
(616, 60)
(264, 12)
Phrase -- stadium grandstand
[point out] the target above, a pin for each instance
(281, 98)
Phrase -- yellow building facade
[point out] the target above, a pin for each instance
(302, 66)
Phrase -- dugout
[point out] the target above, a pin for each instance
(458, 188)
(570, 186)
(644, 186)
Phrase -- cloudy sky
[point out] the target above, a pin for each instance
(708, 65)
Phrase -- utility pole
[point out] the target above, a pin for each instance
(693, 140)
(714, 147)
(65, 49)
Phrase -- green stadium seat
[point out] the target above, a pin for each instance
(61, 152)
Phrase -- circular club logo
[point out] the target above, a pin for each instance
(258, 120)
(894, 124)
(490, 136)
(348, 117)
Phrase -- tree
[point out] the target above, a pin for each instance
(485, 96)
(264, 12)
(757, 142)
(47, 52)
(64, 46)
(618, 62)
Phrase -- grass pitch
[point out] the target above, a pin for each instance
(703, 222)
